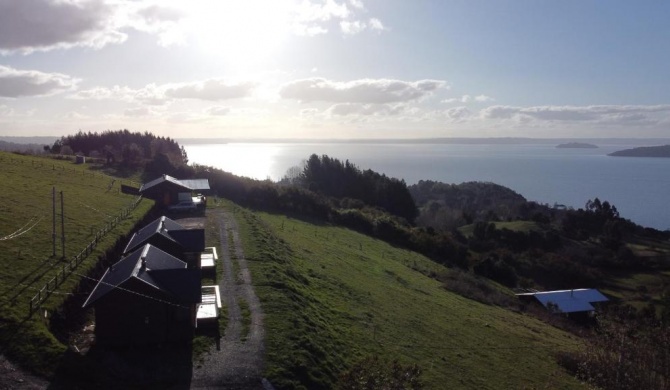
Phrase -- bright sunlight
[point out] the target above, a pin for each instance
(244, 32)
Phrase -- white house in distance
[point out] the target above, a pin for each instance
(567, 301)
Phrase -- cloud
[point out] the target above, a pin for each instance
(311, 18)
(101, 93)
(156, 95)
(468, 99)
(6, 111)
(483, 98)
(371, 91)
(16, 83)
(210, 90)
(155, 14)
(458, 114)
(308, 11)
(139, 112)
(41, 25)
(352, 27)
(30, 25)
(376, 25)
(218, 110)
(73, 115)
(356, 26)
(308, 30)
(154, 18)
(604, 114)
(346, 109)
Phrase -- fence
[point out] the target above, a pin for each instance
(62, 274)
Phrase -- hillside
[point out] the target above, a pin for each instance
(332, 297)
(94, 207)
(644, 151)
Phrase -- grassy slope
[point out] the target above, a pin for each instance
(91, 200)
(332, 296)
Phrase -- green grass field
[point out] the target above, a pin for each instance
(332, 297)
(91, 201)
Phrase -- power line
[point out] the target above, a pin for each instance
(22, 230)
(130, 291)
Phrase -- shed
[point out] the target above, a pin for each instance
(147, 297)
(171, 237)
(567, 301)
(165, 189)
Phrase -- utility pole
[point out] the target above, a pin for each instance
(62, 222)
(53, 230)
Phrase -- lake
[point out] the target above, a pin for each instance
(638, 187)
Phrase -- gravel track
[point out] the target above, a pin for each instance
(238, 364)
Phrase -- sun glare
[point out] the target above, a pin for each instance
(243, 32)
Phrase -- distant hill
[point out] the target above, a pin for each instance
(21, 148)
(645, 151)
(577, 145)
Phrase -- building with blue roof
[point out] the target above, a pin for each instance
(567, 301)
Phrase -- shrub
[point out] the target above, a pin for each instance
(373, 373)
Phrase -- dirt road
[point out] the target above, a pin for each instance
(238, 364)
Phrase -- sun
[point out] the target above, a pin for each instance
(243, 32)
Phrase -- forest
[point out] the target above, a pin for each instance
(124, 149)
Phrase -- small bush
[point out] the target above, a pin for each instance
(478, 289)
(373, 373)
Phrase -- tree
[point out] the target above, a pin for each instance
(184, 155)
(132, 155)
(293, 176)
(626, 353)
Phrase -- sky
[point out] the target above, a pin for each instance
(336, 69)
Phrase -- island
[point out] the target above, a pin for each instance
(644, 151)
(577, 145)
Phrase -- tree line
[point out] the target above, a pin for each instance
(333, 178)
(128, 149)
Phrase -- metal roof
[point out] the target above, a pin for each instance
(569, 301)
(191, 240)
(196, 184)
(153, 267)
(160, 180)
(159, 226)
(189, 184)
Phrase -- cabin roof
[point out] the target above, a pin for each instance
(569, 301)
(190, 240)
(187, 185)
(152, 266)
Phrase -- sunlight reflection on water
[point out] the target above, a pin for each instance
(638, 187)
(254, 160)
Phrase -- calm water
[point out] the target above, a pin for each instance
(638, 187)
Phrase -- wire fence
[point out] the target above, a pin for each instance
(61, 275)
